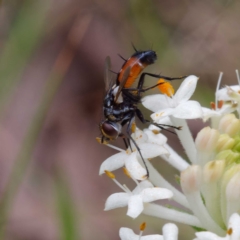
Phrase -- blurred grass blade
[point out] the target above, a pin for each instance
(25, 34)
(66, 209)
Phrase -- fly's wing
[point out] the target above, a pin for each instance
(122, 83)
(107, 74)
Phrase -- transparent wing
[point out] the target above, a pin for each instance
(123, 81)
(107, 74)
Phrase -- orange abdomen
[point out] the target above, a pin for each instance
(136, 68)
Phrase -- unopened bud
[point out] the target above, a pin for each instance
(224, 142)
(206, 139)
(237, 144)
(191, 179)
(229, 124)
(213, 171)
(229, 156)
(233, 188)
(228, 175)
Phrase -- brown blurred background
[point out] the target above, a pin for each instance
(51, 90)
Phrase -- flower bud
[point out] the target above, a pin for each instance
(236, 146)
(206, 139)
(229, 156)
(227, 176)
(191, 179)
(229, 124)
(224, 142)
(213, 171)
(233, 188)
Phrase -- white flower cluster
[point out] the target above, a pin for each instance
(210, 183)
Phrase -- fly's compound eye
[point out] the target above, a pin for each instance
(110, 130)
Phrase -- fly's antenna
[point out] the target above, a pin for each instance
(122, 57)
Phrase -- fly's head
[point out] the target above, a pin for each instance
(110, 130)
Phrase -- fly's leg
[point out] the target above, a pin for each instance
(126, 140)
(161, 126)
(138, 149)
(143, 89)
(141, 80)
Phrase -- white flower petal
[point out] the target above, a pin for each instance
(151, 150)
(208, 113)
(139, 136)
(234, 224)
(170, 231)
(159, 138)
(165, 120)
(142, 185)
(162, 113)
(134, 167)
(223, 94)
(209, 236)
(156, 102)
(135, 206)
(188, 110)
(127, 234)
(186, 89)
(114, 162)
(117, 200)
(152, 237)
(153, 194)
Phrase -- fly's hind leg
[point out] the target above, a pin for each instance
(161, 126)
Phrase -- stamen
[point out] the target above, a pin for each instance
(109, 174)
(229, 231)
(99, 140)
(213, 105)
(126, 172)
(143, 226)
(133, 127)
(114, 147)
(112, 176)
(237, 73)
(166, 88)
(218, 86)
(156, 131)
(220, 104)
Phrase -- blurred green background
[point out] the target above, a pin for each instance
(51, 90)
